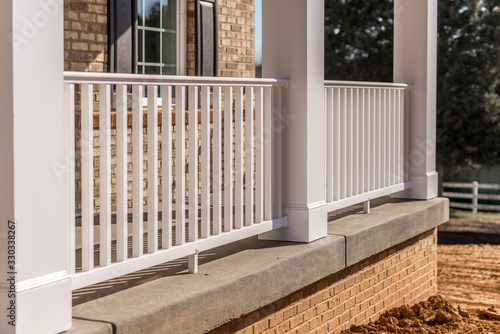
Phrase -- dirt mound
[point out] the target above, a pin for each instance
(435, 315)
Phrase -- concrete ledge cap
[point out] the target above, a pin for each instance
(242, 277)
(254, 274)
(81, 326)
(388, 225)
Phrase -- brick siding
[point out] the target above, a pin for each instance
(404, 274)
(237, 38)
(86, 35)
(86, 49)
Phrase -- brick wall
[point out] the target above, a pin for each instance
(191, 38)
(405, 274)
(237, 38)
(86, 35)
(86, 49)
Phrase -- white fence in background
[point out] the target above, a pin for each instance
(225, 211)
(367, 141)
(475, 196)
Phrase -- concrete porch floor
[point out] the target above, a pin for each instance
(239, 278)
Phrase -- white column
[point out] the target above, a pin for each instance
(33, 178)
(293, 48)
(415, 49)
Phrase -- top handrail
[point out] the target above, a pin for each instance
(366, 84)
(140, 79)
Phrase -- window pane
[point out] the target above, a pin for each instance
(169, 15)
(140, 12)
(168, 70)
(152, 46)
(152, 70)
(169, 41)
(152, 13)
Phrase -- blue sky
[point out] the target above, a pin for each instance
(258, 31)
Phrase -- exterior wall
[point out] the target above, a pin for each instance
(237, 38)
(404, 274)
(86, 49)
(86, 35)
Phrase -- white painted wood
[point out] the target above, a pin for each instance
(278, 154)
(205, 162)
(371, 195)
(379, 138)
(193, 263)
(152, 168)
(166, 164)
(121, 173)
(390, 137)
(373, 147)
(343, 143)
(460, 185)
(288, 34)
(87, 144)
(137, 171)
(174, 80)
(399, 136)
(384, 140)
(148, 260)
(193, 163)
(349, 142)
(105, 174)
(366, 206)
(330, 146)
(337, 142)
(355, 141)
(33, 168)
(394, 135)
(180, 165)
(259, 154)
(364, 84)
(238, 157)
(474, 195)
(268, 154)
(361, 140)
(407, 135)
(415, 59)
(249, 154)
(458, 195)
(217, 161)
(366, 143)
(69, 106)
(228, 159)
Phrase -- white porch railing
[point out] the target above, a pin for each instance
(220, 209)
(367, 141)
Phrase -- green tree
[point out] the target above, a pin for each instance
(358, 40)
(468, 122)
(359, 46)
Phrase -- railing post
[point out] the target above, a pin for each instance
(34, 177)
(415, 45)
(475, 196)
(293, 47)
